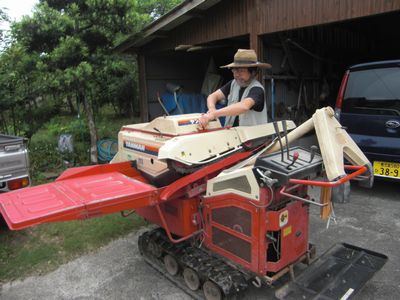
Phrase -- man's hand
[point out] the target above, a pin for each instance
(205, 119)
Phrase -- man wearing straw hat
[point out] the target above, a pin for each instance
(245, 95)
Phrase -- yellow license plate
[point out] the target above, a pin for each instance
(387, 169)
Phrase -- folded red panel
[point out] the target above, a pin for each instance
(75, 198)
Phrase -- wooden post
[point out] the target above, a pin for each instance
(253, 19)
(143, 101)
(326, 198)
(253, 26)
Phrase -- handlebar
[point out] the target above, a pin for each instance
(359, 170)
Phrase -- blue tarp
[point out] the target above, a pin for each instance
(189, 103)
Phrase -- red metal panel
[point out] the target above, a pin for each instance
(266, 199)
(76, 198)
(125, 168)
(233, 200)
(180, 215)
(294, 233)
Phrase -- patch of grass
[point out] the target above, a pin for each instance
(42, 249)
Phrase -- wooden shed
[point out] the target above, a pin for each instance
(308, 42)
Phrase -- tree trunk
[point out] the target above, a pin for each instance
(14, 122)
(116, 110)
(35, 102)
(70, 104)
(92, 129)
(4, 122)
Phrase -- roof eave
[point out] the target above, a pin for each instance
(175, 17)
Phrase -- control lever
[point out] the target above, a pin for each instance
(279, 138)
(286, 138)
(313, 149)
(295, 157)
(264, 176)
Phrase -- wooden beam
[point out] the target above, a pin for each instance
(290, 77)
(160, 35)
(196, 14)
(253, 18)
(143, 101)
(326, 198)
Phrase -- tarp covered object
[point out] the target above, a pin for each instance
(190, 103)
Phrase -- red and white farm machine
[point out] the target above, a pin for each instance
(231, 204)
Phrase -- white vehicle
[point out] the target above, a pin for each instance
(14, 163)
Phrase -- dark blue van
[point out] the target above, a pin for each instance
(368, 104)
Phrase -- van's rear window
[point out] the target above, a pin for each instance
(374, 91)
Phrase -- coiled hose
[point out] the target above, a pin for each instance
(106, 149)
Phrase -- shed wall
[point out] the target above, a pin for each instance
(224, 20)
(265, 25)
(291, 14)
(235, 18)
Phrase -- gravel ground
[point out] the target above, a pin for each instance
(116, 271)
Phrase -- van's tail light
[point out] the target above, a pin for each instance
(18, 183)
(340, 96)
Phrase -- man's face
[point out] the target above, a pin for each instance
(242, 76)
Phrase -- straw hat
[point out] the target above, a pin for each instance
(246, 58)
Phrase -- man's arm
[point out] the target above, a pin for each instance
(234, 109)
(213, 98)
(230, 110)
(218, 95)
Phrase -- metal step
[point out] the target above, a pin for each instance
(339, 273)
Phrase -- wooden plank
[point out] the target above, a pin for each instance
(252, 25)
(326, 198)
(143, 101)
(290, 14)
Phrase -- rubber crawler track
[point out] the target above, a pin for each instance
(154, 246)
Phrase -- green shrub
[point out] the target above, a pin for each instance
(43, 146)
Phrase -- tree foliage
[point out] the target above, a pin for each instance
(61, 59)
(156, 8)
(3, 19)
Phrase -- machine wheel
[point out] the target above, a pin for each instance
(211, 291)
(154, 249)
(192, 279)
(171, 265)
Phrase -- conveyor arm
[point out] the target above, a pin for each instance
(334, 142)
